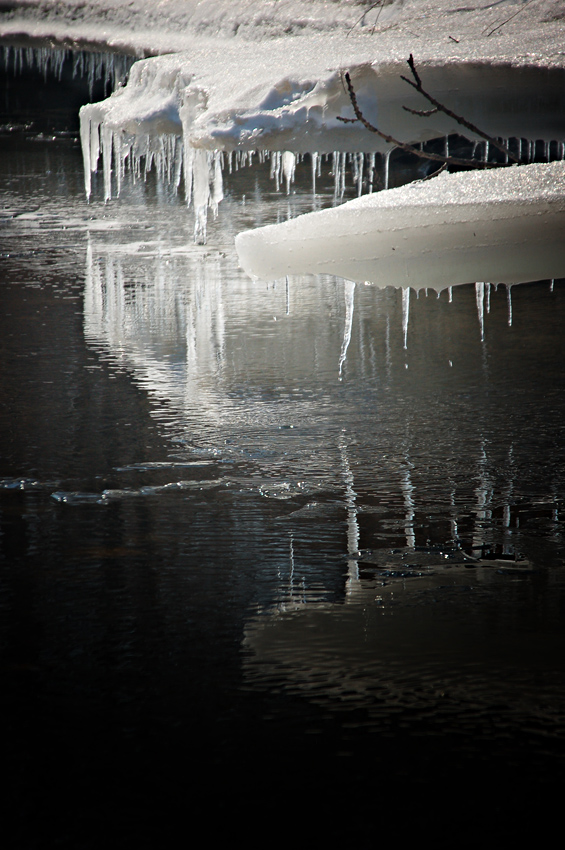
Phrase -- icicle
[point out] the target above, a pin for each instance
(386, 169)
(336, 161)
(288, 165)
(276, 168)
(177, 164)
(360, 164)
(480, 298)
(201, 193)
(314, 161)
(509, 299)
(487, 298)
(546, 151)
(371, 172)
(349, 292)
(118, 159)
(450, 291)
(405, 314)
(551, 285)
(486, 152)
(106, 136)
(88, 129)
(446, 148)
(188, 171)
(217, 193)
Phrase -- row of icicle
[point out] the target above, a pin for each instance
(109, 68)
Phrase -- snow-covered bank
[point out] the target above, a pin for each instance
(248, 76)
(504, 226)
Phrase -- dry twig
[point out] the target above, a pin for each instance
(450, 160)
(440, 107)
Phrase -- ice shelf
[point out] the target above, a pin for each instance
(237, 76)
(165, 116)
(505, 226)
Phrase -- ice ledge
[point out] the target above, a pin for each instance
(504, 226)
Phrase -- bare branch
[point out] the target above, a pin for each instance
(414, 71)
(417, 84)
(450, 160)
(423, 113)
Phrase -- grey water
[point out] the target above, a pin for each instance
(272, 560)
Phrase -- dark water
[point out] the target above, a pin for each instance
(264, 570)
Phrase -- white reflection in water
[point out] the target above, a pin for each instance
(408, 493)
(352, 525)
(349, 289)
(143, 322)
(405, 314)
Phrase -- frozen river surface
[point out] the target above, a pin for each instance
(267, 549)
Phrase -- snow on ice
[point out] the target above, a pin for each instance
(503, 225)
(240, 76)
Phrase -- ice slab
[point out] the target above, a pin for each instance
(503, 226)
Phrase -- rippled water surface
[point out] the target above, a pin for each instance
(265, 548)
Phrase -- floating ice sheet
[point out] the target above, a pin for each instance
(504, 226)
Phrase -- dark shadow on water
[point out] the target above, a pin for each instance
(239, 589)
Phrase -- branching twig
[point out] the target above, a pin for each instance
(417, 84)
(450, 160)
(423, 113)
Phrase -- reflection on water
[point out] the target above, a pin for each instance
(306, 523)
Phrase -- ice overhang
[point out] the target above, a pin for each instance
(502, 226)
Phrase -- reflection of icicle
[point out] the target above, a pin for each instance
(352, 524)
(454, 524)
(408, 492)
(287, 296)
(349, 287)
(480, 298)
(483, 495)
(506, 511)
(387, 350)
(509, 299)
(405, 314)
